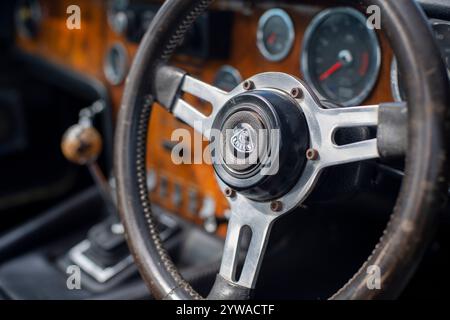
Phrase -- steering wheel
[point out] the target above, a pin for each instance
(258, 194)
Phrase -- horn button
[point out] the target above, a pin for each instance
(261, 144)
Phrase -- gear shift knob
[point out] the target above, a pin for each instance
(81, 144)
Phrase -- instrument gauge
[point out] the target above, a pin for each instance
(442, 35)
(28, 17)
(275, 35)
(227, 78)
(116, 62)
(117, 15)
(341, 56)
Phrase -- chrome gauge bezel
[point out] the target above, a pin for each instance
(269, 14)
(304, 56)
(395, 87)
(116, 78)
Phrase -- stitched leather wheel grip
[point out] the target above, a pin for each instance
(423, 188)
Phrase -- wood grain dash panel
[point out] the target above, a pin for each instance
(84, 51)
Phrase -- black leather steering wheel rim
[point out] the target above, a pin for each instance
(423, 189)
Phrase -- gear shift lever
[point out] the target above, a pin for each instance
(103, 254)
(82, 145)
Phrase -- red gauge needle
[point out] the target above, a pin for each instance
(271, 39)
(335, 67)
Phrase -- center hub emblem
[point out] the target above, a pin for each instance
(260, 135)
(242, 138)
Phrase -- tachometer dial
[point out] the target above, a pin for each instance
(275, 35)
(341, 56)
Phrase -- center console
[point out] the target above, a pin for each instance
(97, 254)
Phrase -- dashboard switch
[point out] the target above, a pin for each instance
(192, 201)
(163, 187)
(208, 208)
(177, 195)
(151, 180)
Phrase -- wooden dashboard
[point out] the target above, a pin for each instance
(183, 189)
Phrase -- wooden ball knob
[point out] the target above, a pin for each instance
(81, 144)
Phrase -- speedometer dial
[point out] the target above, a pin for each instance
(275, 35)
(341, 56)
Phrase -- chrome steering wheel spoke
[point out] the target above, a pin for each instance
(249, 213)
(259, 224)
(173, 83)
(331, 120)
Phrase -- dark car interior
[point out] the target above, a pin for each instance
(87, 178)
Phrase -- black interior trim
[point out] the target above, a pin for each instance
(78, 84)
